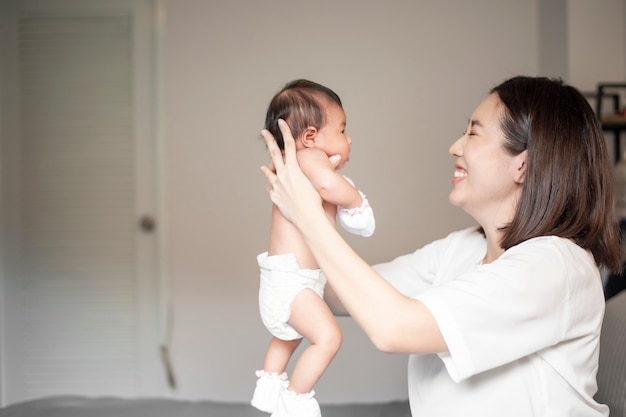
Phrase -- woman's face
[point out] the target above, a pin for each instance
(487, 180)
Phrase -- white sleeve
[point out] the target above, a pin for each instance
(435, 263)
(359, 220)
(539, 293)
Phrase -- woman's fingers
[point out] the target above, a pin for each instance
(269, 174)
(276, 156)
(290, 144)
(289, 189)
(270, 177)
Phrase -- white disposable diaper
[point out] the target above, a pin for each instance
(281, 280)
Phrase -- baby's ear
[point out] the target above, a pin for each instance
(308, 137)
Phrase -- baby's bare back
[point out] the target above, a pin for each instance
(285, 237)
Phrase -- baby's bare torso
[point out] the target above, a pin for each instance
(285, 237)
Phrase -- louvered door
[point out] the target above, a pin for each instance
(81, 312)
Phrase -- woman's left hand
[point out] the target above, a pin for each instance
(290, 190)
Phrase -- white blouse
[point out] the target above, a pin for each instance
(522, 332)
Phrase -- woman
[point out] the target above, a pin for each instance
(502, 319)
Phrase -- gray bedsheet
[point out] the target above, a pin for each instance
(117, 407)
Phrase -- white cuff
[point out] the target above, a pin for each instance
(358, 220)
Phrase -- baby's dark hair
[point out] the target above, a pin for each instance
(301, 104)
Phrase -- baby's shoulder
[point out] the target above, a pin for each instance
(313, 161)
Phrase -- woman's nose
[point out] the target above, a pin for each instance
(455, 148)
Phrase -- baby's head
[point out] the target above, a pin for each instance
(302, 104)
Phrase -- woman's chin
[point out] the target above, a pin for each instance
(453, 199)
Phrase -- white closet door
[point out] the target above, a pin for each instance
(84, 315)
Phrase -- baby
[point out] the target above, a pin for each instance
(291, 284)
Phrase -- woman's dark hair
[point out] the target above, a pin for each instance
(301, 104)
(568, 185)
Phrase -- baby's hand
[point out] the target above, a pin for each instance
(335, 160)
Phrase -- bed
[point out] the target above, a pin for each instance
(71, 406)
(611, 391)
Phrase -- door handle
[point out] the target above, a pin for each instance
(147, 223)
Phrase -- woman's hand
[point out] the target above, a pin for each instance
(290, 190)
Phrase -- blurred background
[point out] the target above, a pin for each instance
(133, 206)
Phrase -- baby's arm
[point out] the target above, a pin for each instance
(332, 186)
(353, 210)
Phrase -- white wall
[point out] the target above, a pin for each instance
(597, 47)
(409, 74)
(597, 42)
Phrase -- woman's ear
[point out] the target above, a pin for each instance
(308, 137)
(520, 173)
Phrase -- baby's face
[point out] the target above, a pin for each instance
(332, 138)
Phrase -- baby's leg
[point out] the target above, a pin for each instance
(312, 318)
(273, 379)
(278, 354)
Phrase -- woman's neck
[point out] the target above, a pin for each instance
(494, 250)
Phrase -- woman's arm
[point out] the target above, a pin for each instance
(333, 301)
(393, 322)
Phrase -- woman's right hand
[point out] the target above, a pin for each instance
(289, 189)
